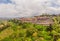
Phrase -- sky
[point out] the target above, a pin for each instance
(28, 8)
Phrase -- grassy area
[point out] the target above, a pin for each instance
(6, 33)
(15, 30)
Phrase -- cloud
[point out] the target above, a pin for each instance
(26, 8)
(7, 10)
(5, 1)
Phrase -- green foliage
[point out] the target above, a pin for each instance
(32, 32)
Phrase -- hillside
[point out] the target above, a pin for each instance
(17, 30)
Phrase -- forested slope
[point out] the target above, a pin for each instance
(15, 30)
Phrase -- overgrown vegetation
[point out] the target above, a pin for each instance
(15, 30)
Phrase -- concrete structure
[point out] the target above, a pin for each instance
(38, 20)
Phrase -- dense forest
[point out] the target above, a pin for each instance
(15, 30)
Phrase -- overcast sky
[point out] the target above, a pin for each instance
(26, 8)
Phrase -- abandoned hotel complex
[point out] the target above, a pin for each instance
(38, 20)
